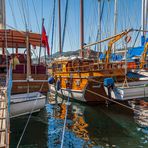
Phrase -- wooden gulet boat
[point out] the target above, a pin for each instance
(81, 75)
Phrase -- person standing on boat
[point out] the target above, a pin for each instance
(14, 61)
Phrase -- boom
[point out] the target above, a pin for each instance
(111, 42)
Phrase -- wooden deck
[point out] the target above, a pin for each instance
(4, 119)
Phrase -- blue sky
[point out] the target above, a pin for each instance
(129, 16)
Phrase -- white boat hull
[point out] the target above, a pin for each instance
(75, 94)
(135, 90)
(22, 104)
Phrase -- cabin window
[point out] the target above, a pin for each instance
(59, 66)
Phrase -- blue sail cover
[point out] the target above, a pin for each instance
(116, 57)
(135, 52)
(113, 57)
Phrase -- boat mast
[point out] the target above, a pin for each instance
(59, 12)
(2, 14)
(115, 23)
(28, 56)
(146, 16)
(2, 18)
(142, 18)
(81, 30)
(99, 24)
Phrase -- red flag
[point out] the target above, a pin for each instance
(45, 40)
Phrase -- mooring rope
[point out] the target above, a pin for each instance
(113, 101)
(29, 117)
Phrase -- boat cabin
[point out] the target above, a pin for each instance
(16, 41)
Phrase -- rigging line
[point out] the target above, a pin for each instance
(53, 25)
(11, 7)
(29, 116)
(21, 12)
(29, 22)
(69, 31)
(136, 37)
(55, 38)
(128, 16)
(41, 9)
(88, 20)
(100, 18)
(95, 21)
(25, 12)
(108, 18)
(76, 20)
(42, 21)
(92, 22)
(50, 22)
(36, 15)
(65, 23)
(109, 27)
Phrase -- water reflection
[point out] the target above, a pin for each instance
(87, 127)
(141, 115)
(76, 134)
(96, 126)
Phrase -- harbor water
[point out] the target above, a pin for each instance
(87, 126)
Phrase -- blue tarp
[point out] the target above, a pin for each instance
(116, 57)
(113, 57)
(133, 52)
(134, 75)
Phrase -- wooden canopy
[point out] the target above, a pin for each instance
(17, 39)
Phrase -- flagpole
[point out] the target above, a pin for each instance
(41, 42)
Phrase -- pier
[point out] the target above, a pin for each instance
(4, 119)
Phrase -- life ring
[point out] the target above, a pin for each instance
(127, 39)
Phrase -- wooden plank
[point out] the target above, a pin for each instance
(3, 119)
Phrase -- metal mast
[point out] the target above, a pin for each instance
(115, 23)
(143, 18)
(99, 24)
(146, 16)
(81, 29)
(59, 12)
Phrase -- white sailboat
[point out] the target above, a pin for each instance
(137, 89)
